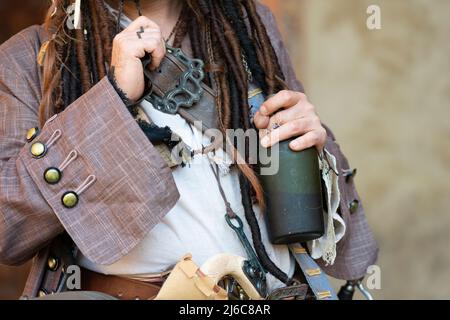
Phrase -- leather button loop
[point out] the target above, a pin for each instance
(52, 263)
(32, 133)
(353, 206)
(69, 199)
(350, 174)
(38, 149)
(52, 175)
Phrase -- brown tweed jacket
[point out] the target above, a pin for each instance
(133, 189)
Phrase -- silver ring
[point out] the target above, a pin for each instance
(274, 127)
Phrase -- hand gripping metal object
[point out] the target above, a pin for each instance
(188, 89)
(188, 281)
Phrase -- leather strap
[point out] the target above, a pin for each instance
(119, 287)
(167, 77)
(316, 279)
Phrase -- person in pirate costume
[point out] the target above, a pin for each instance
(86, 176)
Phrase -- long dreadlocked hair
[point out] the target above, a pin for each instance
(231, 48)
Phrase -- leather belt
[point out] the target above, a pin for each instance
(120, 287)
(131, 289)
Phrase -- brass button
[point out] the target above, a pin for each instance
(353, 206)
(52, 175)
(32, 133)
(42, 293)
(69, 199)
(38, 149)
(52, 263)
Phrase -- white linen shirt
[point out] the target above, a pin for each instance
(196, 224)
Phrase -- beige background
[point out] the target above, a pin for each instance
(386, 94)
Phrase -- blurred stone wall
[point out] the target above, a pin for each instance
(17, 15)
(386, 95)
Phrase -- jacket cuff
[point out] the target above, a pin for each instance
(131, 189)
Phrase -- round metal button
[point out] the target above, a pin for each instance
(69, 199)
(52, 263)
(353, 206)
(32, 133)
(52, 175)
(38, 149)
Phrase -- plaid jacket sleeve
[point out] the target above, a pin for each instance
(358, 249)
(133, 188)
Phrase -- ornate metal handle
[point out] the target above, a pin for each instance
(187, 91)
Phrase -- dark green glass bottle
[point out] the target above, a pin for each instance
(294, 207)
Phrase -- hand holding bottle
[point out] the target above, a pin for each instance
(293, 116)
